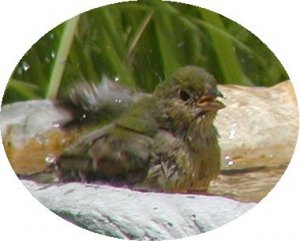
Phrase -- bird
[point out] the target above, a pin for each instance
(165, 142)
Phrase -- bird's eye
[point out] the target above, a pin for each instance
(184, 95)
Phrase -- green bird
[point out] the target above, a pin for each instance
(164, 142)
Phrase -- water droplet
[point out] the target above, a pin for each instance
(228, 160)
(116, 78)
(53, 54)
(82, 117)
(50, 159)
(51, 35)
(25, 66)
(56, 124)
(230, 163)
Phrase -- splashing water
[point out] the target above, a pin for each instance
(25, 66)
(56, 124)
(229, 161)
(50, 159)
(53, 54)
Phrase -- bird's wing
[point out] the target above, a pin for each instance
(164, 169)
(120, 150)
(110, 153)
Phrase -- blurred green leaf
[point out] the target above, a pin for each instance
(224, 50)
(61, 57)
(140, 44)
(24, 89)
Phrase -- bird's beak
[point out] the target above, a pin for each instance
(208, 102)
(210, 105)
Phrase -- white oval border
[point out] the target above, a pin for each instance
(22, 217)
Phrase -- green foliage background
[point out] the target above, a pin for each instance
(141, 43)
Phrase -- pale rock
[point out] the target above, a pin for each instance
(127, 214)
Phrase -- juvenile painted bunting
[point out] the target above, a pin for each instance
(165, 141)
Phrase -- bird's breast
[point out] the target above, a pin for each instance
(177, 165)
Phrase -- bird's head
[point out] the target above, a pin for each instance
(189, 97)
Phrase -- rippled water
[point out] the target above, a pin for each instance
(248, 181)
(249, 186)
